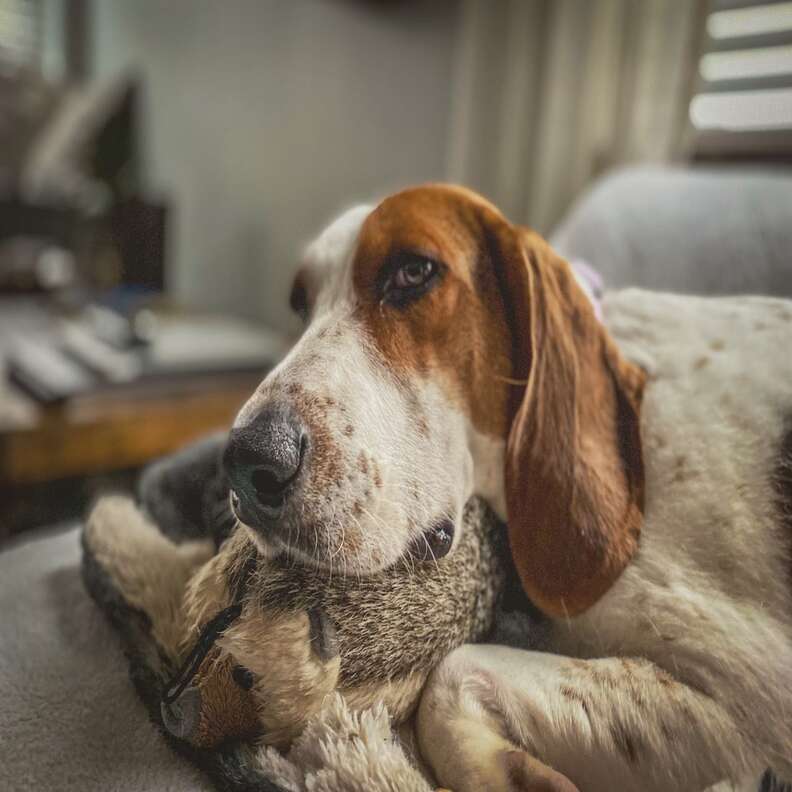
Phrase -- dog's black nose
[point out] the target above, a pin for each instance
(263, 459)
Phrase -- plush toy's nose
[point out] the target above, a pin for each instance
(263, 459)
(182, 716)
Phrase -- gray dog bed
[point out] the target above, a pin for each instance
(70, 720)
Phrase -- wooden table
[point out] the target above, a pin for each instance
(50, 454)
(57, 460)
(114, 430)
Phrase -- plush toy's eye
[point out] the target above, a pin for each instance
(435, 543)
(242, 677)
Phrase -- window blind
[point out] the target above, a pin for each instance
(743, 100)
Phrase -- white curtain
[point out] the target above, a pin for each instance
(550, 93)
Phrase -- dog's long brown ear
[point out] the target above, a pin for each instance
(574, 469)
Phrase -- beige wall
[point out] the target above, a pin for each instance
(263, 118)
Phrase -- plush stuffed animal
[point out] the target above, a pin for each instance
(255, 644)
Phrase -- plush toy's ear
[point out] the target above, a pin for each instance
(574, 469)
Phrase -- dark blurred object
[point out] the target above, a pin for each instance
(71, 212)
(70, 145)
(67, 145)
(137, 231)
(44, 248)
(31, 239)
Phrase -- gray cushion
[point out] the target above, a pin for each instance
(701, 231)
(70, 719)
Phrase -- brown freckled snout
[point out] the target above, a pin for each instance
(264, 459)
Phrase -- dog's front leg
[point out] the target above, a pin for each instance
(496, 719)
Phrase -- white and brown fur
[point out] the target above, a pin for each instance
(641, 466)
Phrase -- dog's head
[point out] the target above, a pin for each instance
(446, 352)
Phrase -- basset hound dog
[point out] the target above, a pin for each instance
(642, 463)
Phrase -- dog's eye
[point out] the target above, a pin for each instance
(414, 273)
(242, 677)
(412, 276)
